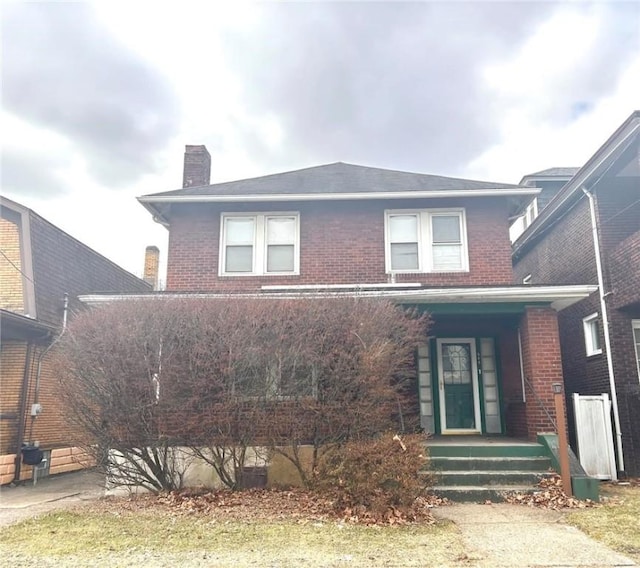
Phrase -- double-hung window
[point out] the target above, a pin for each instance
(591, 327)
(430, 240)
(257, 243)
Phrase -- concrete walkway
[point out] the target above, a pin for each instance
(514, 535)
(50, 493)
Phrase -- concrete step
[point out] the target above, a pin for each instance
(479, 494)
(490, 478)
(527, 463)
(485, 449)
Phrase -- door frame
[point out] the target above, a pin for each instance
(471, 341)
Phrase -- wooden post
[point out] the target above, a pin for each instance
(563, 446)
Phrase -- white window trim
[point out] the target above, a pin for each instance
(586, 328)
(635, 324)
(425, 246)
(531, 212)
(259, 243)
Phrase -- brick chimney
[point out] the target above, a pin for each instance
(197, 166)
(151, 265)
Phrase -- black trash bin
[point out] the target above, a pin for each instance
(31, 455)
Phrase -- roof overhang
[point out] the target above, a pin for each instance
(156, 205)
(557, 297)
(18, 327)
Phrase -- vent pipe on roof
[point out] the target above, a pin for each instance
(197, 166)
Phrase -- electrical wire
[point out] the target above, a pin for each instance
(16, 267)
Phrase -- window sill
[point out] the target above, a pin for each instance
(403, 272)
(257, 274)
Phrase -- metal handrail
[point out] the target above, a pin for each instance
(542, 404)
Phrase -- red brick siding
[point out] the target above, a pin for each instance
(340, 243)
(624, 272)
(542, 367)
(564, 255)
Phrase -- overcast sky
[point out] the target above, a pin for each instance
(99, 99)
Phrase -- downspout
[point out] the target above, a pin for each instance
(605, 326)
(22, 409)
(36, 394)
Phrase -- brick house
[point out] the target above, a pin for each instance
(40, 265)
(435, 242)
(589, 233)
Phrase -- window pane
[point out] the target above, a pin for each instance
(239, 231)
(403, 228)
(239, 259)
(404, 256)
(447, 257)
(595, 334)
(446, 229)
(281, 230)
(280, 258)
(297, 380)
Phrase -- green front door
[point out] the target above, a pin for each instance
(458, 386)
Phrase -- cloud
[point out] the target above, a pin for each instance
(377, 83)
(31, 173)
(63, 72)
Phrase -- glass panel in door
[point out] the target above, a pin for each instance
(457, 378)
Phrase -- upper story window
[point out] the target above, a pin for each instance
(591, 326)
(531, 212)
(256, 244)
(429, 240)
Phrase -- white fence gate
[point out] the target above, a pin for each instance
(594, 435)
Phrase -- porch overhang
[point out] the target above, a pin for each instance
(557, 297)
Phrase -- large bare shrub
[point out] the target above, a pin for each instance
(227, 375)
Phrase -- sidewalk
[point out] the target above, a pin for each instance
(501, 535)
(50, 493)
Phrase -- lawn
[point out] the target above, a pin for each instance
(617, 522)
(152, 538)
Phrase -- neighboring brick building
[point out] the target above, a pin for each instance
(39, 265)
(559, 248)
(436, 242)
(549, 182)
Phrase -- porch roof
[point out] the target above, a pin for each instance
(558, 297)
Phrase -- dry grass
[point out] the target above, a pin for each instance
(617, 522)
(128, 538)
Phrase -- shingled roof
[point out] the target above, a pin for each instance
(335, 178)
(555, 172)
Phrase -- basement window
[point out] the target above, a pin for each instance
(591, 327)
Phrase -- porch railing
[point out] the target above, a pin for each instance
(542, 404)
